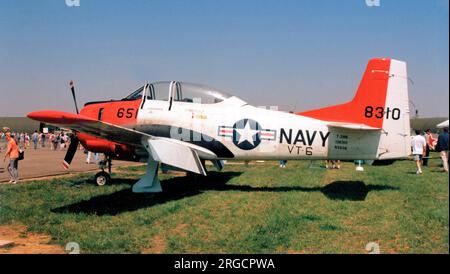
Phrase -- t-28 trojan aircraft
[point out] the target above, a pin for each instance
(182, 125)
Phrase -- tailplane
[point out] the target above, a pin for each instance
(381, 103)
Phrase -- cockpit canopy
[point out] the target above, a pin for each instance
(179, 91)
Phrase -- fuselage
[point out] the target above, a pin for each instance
(232, 129)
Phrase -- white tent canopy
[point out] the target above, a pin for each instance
(443, 124)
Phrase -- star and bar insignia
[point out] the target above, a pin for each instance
(247, 134)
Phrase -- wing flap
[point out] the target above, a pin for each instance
(174, 154)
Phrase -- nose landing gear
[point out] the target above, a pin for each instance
(104, 178)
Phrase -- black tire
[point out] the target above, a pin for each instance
(102, 178)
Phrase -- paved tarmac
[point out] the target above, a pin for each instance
(44, 162)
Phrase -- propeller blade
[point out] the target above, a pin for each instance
(72, 88)
(71, 151)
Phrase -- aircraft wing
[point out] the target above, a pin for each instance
(89, 126)
(169, 151)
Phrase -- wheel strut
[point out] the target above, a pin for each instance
(103, 178)
(149, 183)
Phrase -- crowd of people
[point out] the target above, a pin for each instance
(15, 143)
(53, 141)
(423, 143)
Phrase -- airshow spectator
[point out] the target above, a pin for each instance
(2, 136)
(27, 140)
(50, 139)
(12, 152)
(57, 142)
(35, 138)
(442, 148)
(62, 141)
(418, 146)
(430, 146)
(54, 141)
(20, 139)
(43, 137)
(96, 157)
(335, 164)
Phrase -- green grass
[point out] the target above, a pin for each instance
(255, 209)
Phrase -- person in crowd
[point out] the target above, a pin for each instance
(2, 139)
(67, 140)
(418, 146)
(35, 138)
(50, 139)
(57, 141)
(43, 139)
(27, 140)
(430, 146)
(62, 141)
(20, 139)
(283, 163)
(54, 141)
(12, 152)
(442, 148)
(89, 155)
(3, 136)
(333, 164)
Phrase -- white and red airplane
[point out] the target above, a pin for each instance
(182, 125)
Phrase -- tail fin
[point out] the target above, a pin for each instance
(372, 91)
(381, 102)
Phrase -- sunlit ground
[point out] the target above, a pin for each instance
(259, 208)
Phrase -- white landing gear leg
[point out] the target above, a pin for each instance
(149, 183)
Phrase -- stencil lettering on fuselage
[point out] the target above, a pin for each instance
(302, 141)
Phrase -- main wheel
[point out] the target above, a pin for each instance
(102, 178)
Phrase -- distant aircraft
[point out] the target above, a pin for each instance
(443, 124)
(182, 125)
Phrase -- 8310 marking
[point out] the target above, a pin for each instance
(381, 112)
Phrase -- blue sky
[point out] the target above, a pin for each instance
(296, 54)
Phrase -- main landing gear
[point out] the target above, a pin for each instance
(103, 178)
(149, 183)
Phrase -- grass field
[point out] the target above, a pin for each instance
(258, 208)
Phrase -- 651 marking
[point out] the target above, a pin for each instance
(128, 114)
(381, 112)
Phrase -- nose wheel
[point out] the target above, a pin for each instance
(104, 178)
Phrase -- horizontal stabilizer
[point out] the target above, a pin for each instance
(352, 126)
